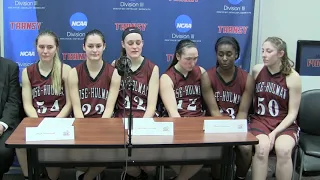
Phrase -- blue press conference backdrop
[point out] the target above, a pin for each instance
(163, 23)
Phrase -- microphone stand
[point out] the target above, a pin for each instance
(123, 65)
(130, 117)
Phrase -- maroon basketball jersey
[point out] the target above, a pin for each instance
(271, 97)
(93, 93)
(187, 91)
(44, 99)
(140, 79)
(228, 95)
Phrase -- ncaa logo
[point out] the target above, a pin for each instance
(235, 2)
(78, 21)
(183, 23)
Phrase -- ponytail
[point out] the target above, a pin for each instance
(56, 74)
(173, 62)
(123, 52)
(286, 65)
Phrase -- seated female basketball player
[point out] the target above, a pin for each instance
(183, 72)
(145, 77)
(231, 88)
(45, 90)
(94, 87)
(276, 103)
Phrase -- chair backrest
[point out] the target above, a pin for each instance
(309, 112)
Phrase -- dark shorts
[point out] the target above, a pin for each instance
(256, 127)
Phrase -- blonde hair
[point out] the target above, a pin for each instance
(56, 68)
(286, 62)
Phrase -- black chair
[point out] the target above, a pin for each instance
(309, 140)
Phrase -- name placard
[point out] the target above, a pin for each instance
(56, 122)
(155, 129)
(225, 126)
(46, 134)
(138, 122)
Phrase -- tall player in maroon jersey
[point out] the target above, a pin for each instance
(94, 86)
(232, 88)
(145, 78)
(180, 92)
(45, 89)
(276, 103)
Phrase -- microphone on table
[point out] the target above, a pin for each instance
(123, 65)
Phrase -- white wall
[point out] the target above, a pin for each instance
(291, 20)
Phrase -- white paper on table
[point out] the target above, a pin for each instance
(138, 122)
(155, 129)
(56, 122)
(225, 126)
(47, 133)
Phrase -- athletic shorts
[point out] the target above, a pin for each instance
(257, 127)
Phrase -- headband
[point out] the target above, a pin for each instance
(129, 31)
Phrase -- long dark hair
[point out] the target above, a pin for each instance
(230, 41)
(185, 43)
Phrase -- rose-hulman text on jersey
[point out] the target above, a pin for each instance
(188, 90)
(46, 90)
(227, 96)
(270, 87)
(137, 87)
(93, 92)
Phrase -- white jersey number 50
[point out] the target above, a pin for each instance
(273, 107)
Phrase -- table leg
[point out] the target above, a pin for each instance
(161, 173)
(36, 164)
(224, 163)
(30, 164)
(230, 163)
(227, 166)
(233, 160)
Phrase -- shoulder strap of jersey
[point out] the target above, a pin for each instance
(30, 70)
(149, 70)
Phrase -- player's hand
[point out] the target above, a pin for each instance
(272, 137)
(1, 130)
